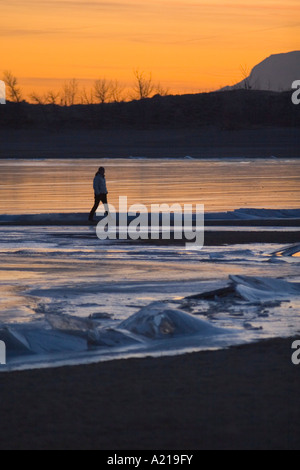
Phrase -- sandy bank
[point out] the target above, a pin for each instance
(242, 398)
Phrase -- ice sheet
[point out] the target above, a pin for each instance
(68, 298)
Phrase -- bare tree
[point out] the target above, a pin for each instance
(49, 98)
(52, 97)
(38, 99)
(70, 93)
(143, 87)
(117, 92)
(246, 75)
(160, 90)
(102, 90)
(14, 91)
(87, 97)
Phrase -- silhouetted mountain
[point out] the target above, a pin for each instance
(276, 73)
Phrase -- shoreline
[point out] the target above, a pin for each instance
(228, 399)
(200, 143)
(211, 238)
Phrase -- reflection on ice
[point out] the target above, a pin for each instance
(75, 299)
(292, 251)
(246, 309)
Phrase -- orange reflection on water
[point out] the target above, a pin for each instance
(66, 186)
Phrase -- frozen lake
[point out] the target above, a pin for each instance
(68, 298)
(52, 186)
(65, 296)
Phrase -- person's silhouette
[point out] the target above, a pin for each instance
(101, 192)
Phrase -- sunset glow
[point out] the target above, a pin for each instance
(189, 46)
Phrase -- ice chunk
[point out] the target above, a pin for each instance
(251, 289)
(69, 324)
(34, 340)
(255, 289)
(157, 321)
(49, 341)
(15, 342)
(112, 338)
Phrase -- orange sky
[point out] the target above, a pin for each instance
(190, 45)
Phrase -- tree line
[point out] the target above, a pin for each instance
(102, 91)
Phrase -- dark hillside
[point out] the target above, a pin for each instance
(233, 110)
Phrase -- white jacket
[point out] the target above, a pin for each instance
(100, 185)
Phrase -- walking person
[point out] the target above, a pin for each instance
(101, 192)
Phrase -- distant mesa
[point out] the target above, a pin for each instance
(276, 73)
(2, 92)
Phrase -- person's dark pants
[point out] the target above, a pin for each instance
(98, 199)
